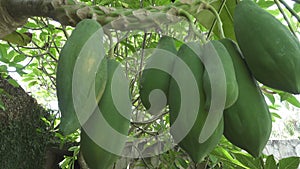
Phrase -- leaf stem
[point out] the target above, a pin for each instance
(290, 9)
(215, 20)
(285, 17)
(189, 17)
(219, 21)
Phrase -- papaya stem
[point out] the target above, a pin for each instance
(285, 17)
(215, 20)
(219, 21)
(189, 17)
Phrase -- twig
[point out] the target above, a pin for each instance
(290, 9)
(285, 17)
(150, 120)
(142, 54)
(152, 133)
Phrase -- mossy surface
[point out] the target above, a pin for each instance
(24, 136)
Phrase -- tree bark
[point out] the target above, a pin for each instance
(9, 23)
(27, 8)
(23, 135)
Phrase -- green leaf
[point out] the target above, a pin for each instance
(289, 98)
(270, 163)
(17, 38)
(182, 163)
(128, 45)
(27, 79)
(10, 55)
(20, 71)
(2, 106)
(265, 4)
(224, 156)
(31, 25)
(19, 58)
(275, 115)
(73, 148)
(13, 82)
(206, 18)
(32, 83)
(296, 7)
(289, 163)
(3, 54)
(36, 71)
(3, 68)
(248, 160)
(270, 97)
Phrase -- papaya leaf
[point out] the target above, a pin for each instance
(289, 163)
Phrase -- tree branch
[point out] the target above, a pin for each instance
(27, 8)
(114, 18)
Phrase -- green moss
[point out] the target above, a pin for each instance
(23, 135)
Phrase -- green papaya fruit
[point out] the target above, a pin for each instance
(75, 76)
(103, 136)
(247, 123)
(231, 83)
(155, 81)
(269, 48)
(186, 103)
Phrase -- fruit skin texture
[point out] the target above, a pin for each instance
(197, 151)
(95, 156)
(270, 50)
(247, 123)
(157, 79)
(231, 83)
(65, 69)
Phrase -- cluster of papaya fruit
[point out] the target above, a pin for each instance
(244, 118)
(90, 119)
(245, 121)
